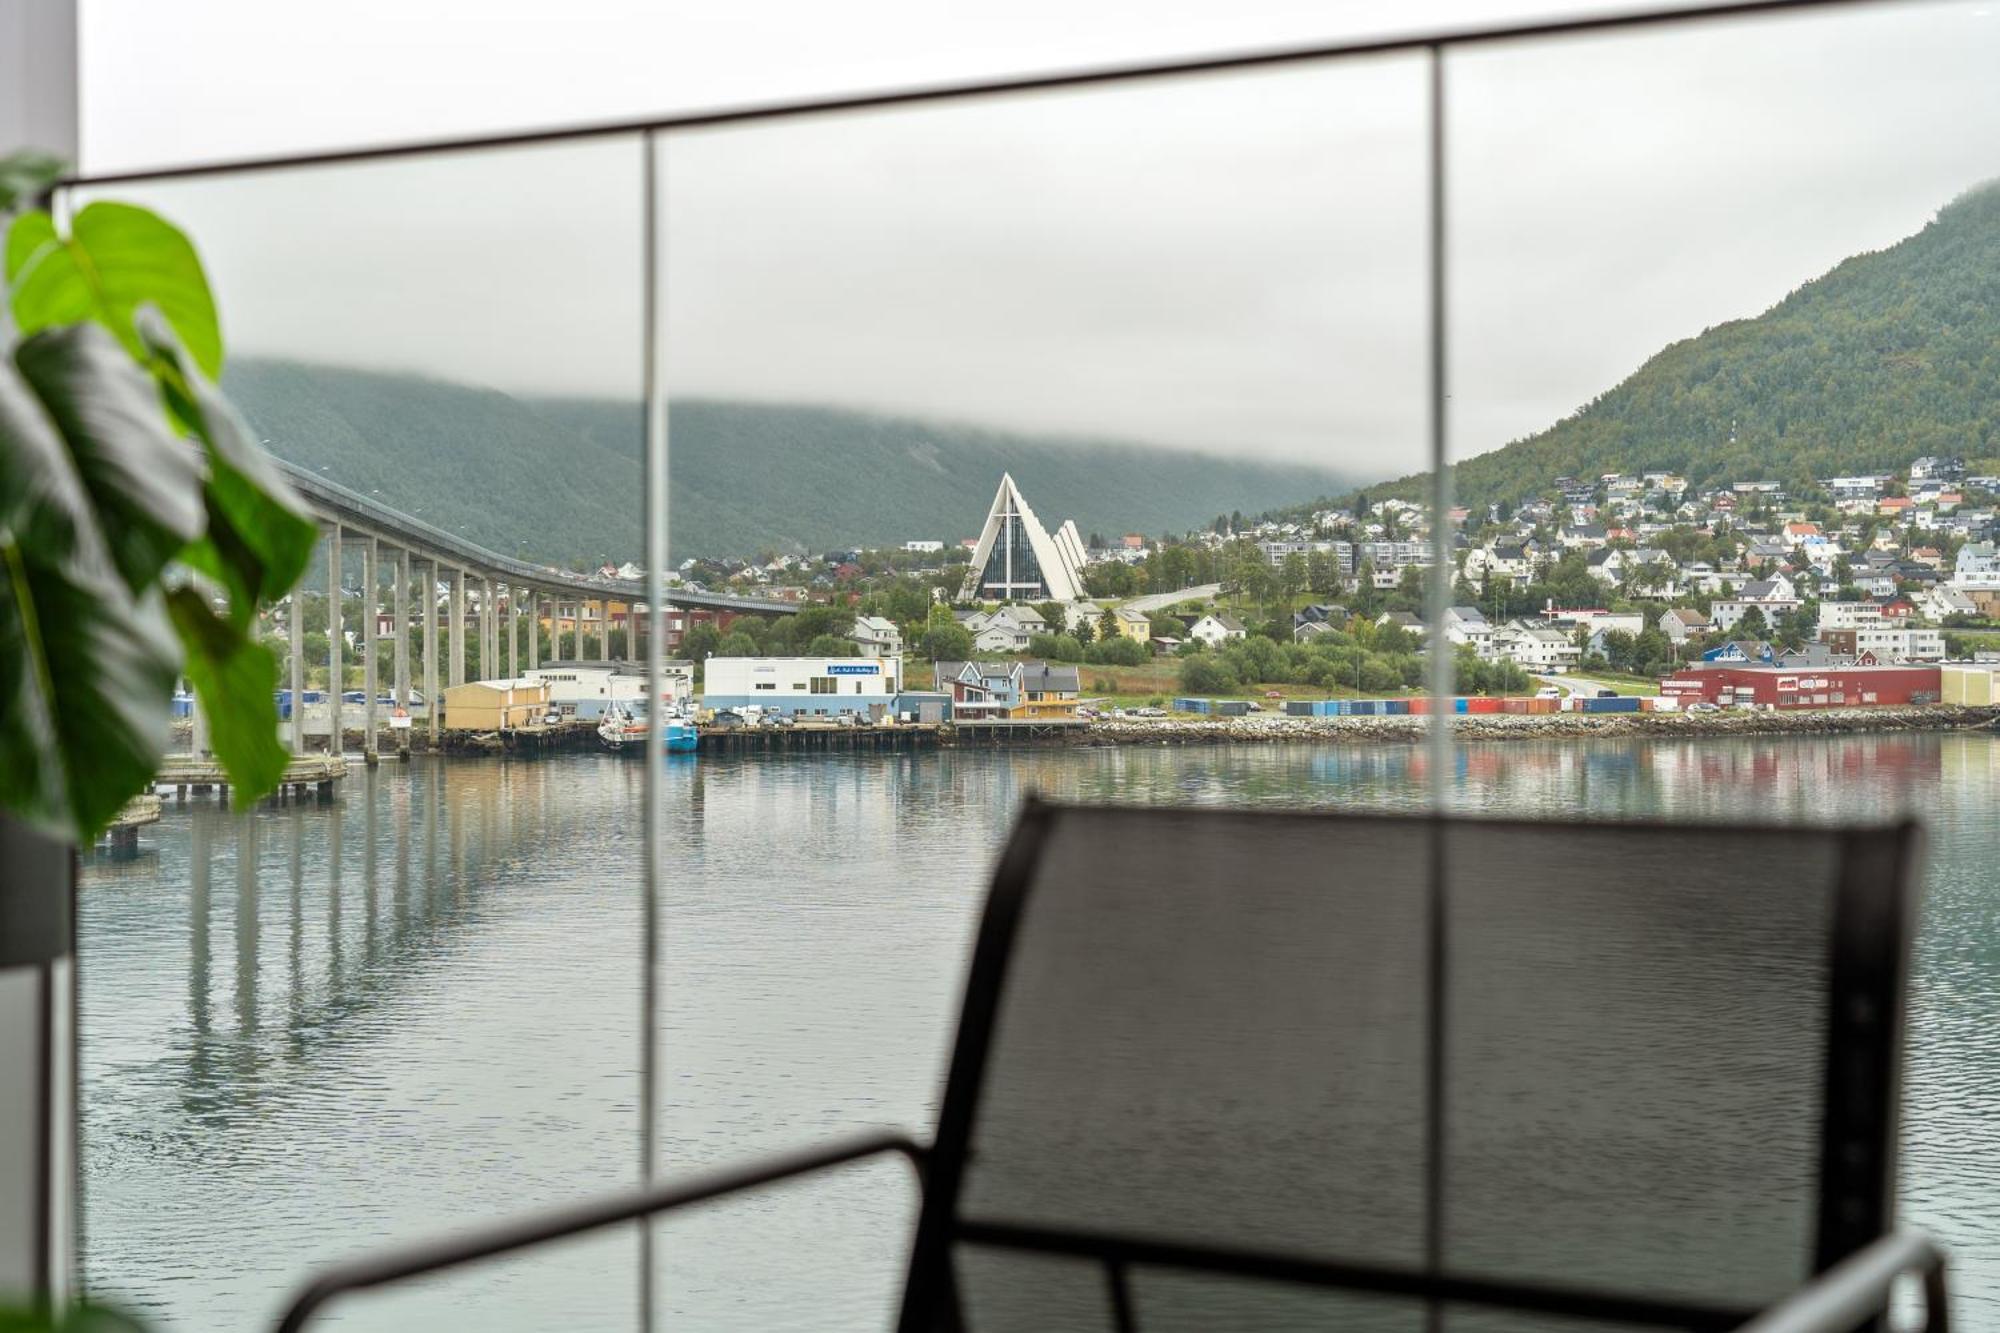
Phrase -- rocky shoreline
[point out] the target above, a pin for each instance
(1532, 727)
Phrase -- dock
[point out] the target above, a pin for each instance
(306, 774)
(121, 839)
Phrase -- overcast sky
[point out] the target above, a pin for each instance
(1233, 263)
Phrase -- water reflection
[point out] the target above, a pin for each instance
(310, 1029)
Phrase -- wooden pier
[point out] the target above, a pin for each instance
(121, 839)
(811, 739)
(306, 774)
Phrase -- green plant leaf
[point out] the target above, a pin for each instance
(260, 534)
(86, 670)
(116, 258)
(145, 483)
(236, 680)
(25, 176)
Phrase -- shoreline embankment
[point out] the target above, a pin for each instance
(1276, 729)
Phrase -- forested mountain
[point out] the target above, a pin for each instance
(562, 476)
(1889, 356)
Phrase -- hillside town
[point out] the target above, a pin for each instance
(1637, 581)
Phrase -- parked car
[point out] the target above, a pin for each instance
(1704, 707)
(552, 718)
(1607, 694)
(1548, 692)
(1274, 694)
(1149, 712)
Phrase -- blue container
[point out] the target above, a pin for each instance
(1628, 703)
(1300, 708)
(183, 705)
(1461, 705)
(1233, 707)
(1396, 707)
(1191, 706)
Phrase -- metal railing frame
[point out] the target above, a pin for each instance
(1808, 1312)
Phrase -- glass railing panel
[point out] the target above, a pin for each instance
(405, 997)
(1715, 294)
(1084, 382)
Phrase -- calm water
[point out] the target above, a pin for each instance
(307, 1032)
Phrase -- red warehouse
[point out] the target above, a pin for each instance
(1805, 687)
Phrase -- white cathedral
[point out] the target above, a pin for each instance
(1017, 560)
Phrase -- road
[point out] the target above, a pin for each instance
(1579, 684)
(1160, 601)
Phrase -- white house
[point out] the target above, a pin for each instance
(1535, 646)
(1467, 624)
(1216, 629)
(877, 636)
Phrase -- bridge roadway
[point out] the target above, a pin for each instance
(507, 587)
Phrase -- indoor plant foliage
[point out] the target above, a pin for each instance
(141, 527)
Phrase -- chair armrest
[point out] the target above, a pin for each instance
(1856, 1289)
(495, 1238)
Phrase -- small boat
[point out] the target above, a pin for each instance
(681, 736)
(622, 725)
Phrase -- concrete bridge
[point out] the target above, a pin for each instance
(503, 589)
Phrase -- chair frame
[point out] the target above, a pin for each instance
(1858, 1254)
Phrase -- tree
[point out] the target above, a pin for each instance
(1207, 673)
(1751, 626)
(1293, 577)
(1108, 626)
(822, 645)
(946, 642)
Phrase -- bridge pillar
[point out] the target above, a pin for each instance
(457, 627)
(297, 654)
(576, 633)
(371, 607)
(534, 630)
(604, 630)
(430, 594)
(489, 632)
(334, 677)
(403, 630)
(513, 631)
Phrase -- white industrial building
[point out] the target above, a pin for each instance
(586, 689)
(805, 687)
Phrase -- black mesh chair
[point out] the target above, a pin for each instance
(1228, 1069)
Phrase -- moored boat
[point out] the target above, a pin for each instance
(623, 724)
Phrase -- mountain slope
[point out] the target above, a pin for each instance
(560, 478)
(1889, 356)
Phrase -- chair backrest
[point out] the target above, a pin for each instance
(1248, 1069)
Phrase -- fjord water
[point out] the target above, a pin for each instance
(310, 1031)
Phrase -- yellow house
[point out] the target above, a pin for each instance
(1046, 691)
(1133, 625)
(495, 705)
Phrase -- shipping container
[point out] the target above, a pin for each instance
(1396, 707)
(1482, 705)
(1190, 706)
(1232, 707)
(1301, 707)
(1516, 706)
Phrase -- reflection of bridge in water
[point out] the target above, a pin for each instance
(506, 587)
(371, 895)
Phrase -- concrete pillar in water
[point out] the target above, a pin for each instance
(488, 668)
(335, 678)
(457, 626)
(297, 654)
(371, 618)
(403, 630)
(430, 596)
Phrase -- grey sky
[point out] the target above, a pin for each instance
(1233, 263)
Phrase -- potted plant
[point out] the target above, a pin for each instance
(141, 529)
